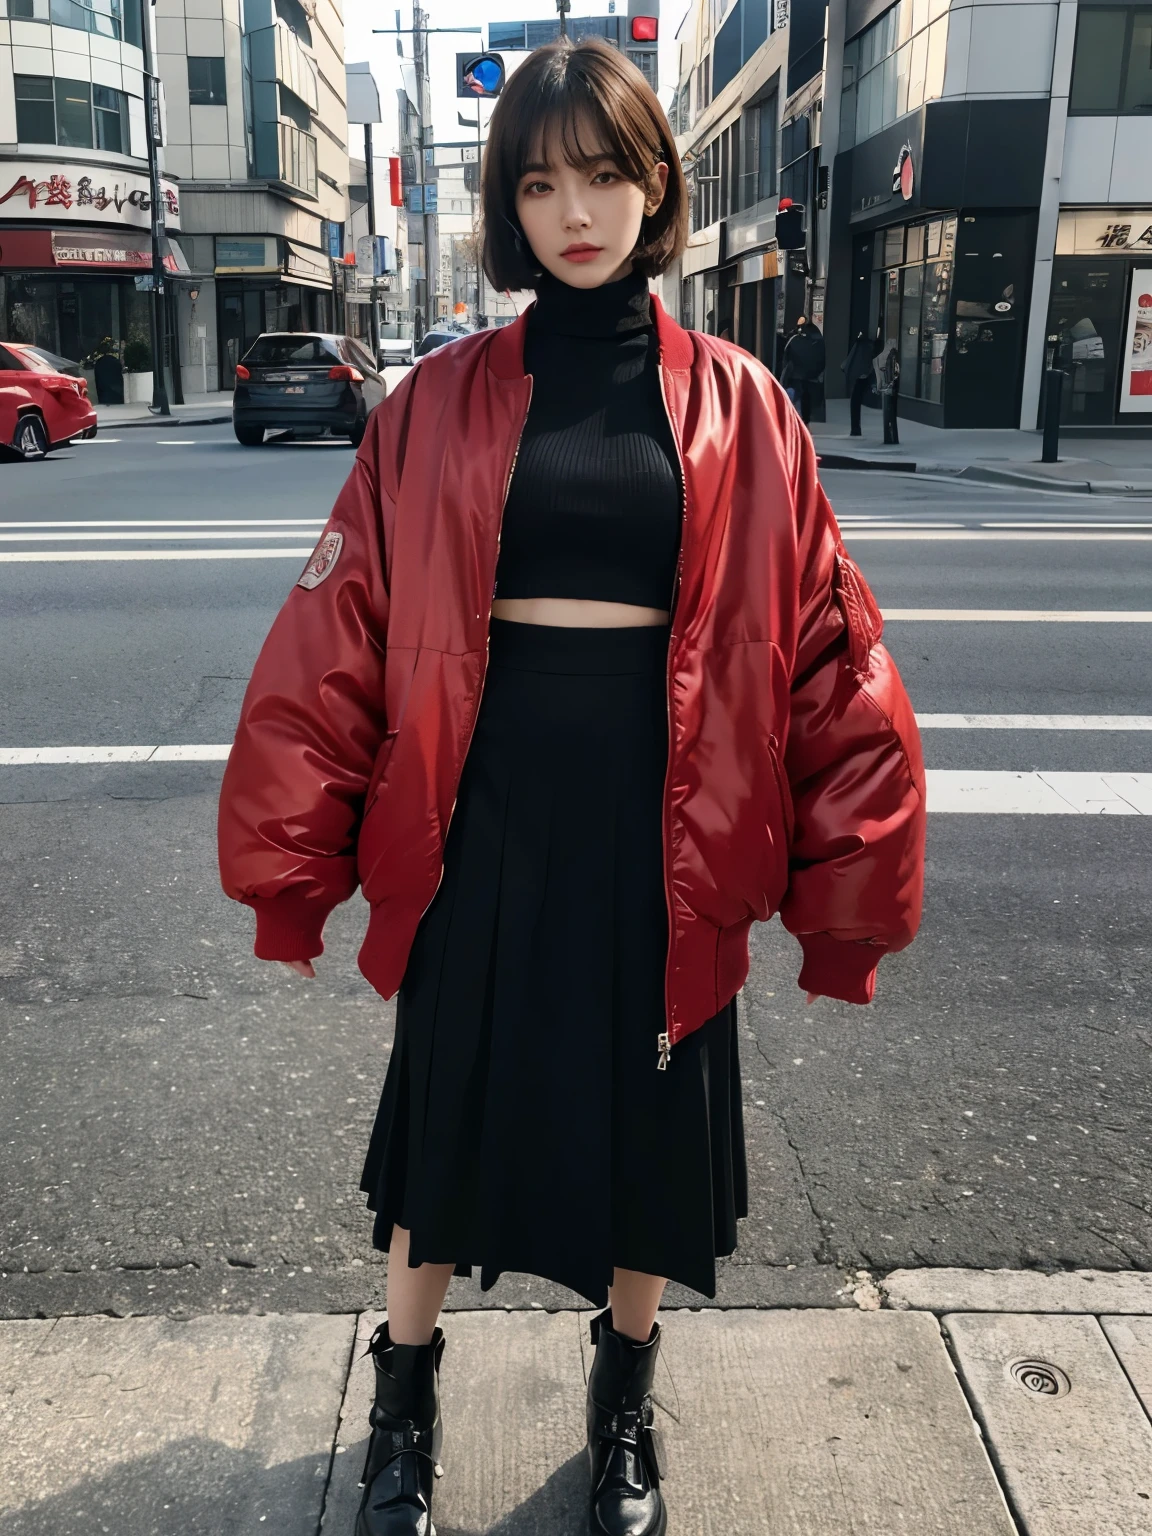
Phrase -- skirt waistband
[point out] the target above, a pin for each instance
(577, 649)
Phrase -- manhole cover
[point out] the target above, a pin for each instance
(1040, 1377)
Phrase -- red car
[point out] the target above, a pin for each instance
(41, 405)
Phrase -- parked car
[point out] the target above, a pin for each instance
(41, 407)
(395, 351)
(306, 382)
(440, 337)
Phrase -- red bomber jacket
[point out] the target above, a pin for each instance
(795, 782)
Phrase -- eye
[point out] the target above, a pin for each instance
(531, 187)
(604, 177)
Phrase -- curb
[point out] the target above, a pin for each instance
(849, 461)
(164, 421)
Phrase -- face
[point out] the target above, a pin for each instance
(583, 225)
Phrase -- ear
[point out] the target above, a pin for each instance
(655, 198)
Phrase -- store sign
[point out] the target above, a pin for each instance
(86, 249)
(904, 174)
(245, 256)
(780, 15)
(1136, 373)
(59, 191)
(1109, 232)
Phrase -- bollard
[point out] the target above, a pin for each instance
(1053, 388)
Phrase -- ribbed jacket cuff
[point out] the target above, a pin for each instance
(842, 968)
(288, 927)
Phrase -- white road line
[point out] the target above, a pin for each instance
(177, 536)
(990, 536)
(186, 522)
(180, 442)
(1054, 523)
(955, 791)
(1034, 722)
(34, 556)
(1014, 615)
(999, 793)
(76, 441)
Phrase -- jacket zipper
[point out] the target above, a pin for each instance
(664, 1039)
(487, 645)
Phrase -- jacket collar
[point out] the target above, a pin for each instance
(506, 352)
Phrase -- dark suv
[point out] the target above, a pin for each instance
(305, 382)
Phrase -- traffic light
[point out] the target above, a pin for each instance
(479, 75)
(643, 22)
(790, 234)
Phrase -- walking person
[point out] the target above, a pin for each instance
(887, 367)
(857, 369)
(578, 683)
(804, 358)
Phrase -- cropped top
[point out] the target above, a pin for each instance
(594, 507)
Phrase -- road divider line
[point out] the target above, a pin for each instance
(185, 522)
(179, 536)
(950, 791)
(1014, 615)
(34, 556)
(990, 536)
(999, 793)
(1034, 722)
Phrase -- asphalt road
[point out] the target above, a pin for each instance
(183, 1125)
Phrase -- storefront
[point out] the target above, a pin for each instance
(1100, 315)
(757, 280)
(933, 246)
(75, 268)
(267, 283)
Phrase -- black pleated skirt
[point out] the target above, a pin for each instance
(523, 1124)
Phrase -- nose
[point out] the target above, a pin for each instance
(576, 215)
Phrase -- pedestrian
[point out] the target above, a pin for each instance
(804, 358)
(579, 682)
(857, 368)
(887, 368)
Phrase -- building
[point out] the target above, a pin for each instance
(257, 134)
(726, 116)
(990, 191)
(75, 246)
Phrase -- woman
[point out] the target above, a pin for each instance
(579, 683)
(803, 365)
(887, 369)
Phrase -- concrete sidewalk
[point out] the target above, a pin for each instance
(1112, 466)
(203, 410)
(944, 1402)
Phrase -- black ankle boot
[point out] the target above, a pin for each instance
(623, 1447)
(404, 1451)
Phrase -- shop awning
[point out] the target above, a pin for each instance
(303, 265)
(179, 262)
(122, 250)
(700, 254)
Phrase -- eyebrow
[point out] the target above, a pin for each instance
(538, 165)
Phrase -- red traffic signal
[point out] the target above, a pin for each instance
(645, 29)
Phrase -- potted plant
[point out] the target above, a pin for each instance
(137, 371)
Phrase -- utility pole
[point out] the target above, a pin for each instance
(373, 300)
(155, 215)
(420, 30)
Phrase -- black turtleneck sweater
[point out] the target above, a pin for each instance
(594, 508)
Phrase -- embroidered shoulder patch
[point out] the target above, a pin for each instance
(324, 558)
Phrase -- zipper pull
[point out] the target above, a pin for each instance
(665, 1052)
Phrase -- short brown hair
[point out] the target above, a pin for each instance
(555, 89)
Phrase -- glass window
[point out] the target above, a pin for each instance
(74, 114)
(1138, 82)
(909, 337)
(206, 82)
(851, 61)
(917, 70)
(915, 243)
(934, 329)
(1086, 311)
(505, 34)
(903, 63)
(275, 350)
(935, 231)
(1098, 62)
(35, 113)
(888, 99)
(894, 246)
(937, 51)
(110, 111)
(848, 117)
(766, 149)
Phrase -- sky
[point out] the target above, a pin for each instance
(360, 16)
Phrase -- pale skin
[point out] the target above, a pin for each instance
(559, 206)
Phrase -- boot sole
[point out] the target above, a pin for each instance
(596, 1529)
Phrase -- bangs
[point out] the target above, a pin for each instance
(568, 119)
